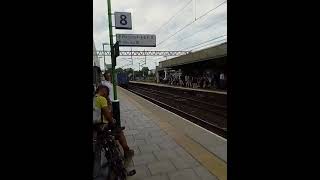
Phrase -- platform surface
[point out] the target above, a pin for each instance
(167, 147)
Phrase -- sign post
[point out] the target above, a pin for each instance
(123, 21)
(115, 102)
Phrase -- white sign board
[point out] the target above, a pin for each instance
(123, 20)
(140, 40)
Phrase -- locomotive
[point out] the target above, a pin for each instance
(122, 79)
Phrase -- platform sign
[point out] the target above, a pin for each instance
(123, 20)
(138, 40)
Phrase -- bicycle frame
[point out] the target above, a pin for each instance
(115, 160)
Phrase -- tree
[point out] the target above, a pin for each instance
(145, 71)
(129, 70)
(138, 73)
(119, 70)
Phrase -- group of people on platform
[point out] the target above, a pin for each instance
(206, 81)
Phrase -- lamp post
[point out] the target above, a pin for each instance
(115, 102)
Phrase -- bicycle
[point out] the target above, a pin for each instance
(106, 140)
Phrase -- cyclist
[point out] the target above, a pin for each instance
(101, 102)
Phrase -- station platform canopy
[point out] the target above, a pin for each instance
(202, 55)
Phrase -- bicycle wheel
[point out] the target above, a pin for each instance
(118, 160)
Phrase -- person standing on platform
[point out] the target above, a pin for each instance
(222, 78)
(209, 81)
(186, 80)
(181, 82)
(216, 80)
(107, 82)
(194, 82)
(205, 81)
(198, 81)
(201, 79)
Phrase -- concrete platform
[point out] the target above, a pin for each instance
(178, 87)
(168, 147)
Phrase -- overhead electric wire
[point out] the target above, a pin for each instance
(211, 10)
(187, 37)
(190, 23)
(203, 42)
(172, 17)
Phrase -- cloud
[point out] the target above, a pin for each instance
(148, 16)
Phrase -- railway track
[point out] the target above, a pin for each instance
(214, 108)
(217, 100)
(190, 109)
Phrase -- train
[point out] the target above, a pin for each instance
(123, 79)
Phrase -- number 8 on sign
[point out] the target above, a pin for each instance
(123, 20)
